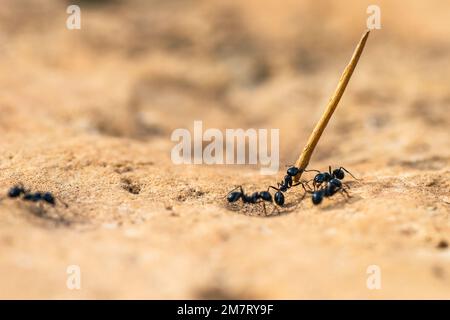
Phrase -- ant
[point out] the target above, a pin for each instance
(287, 180)
(324, 177)
(288, 183)
(265, 196)
(19, 190)
(333, 186)
(333, 183)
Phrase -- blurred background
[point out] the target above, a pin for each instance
(88, 114)
(139, 69)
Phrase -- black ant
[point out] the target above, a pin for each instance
(265, 196)
(323, 177)
(333, 183)
(288, 179)
(288, 182)
(333, 186)
(19, 190)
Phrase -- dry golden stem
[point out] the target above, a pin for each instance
(303, 160)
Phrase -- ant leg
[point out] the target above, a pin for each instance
(329, 170)
(41, 210)
(273, 188)
(60, 200)
(343, 191)
(307, 184)
(349, 173)
(314, 184)
(275, 207)
(304, 195)
(300, 183)
(317, 186)
(20, 185)
(308, 192)
(234, 189)
(312, 170)
(25, 191)
(303, 184)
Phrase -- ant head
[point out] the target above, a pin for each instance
(279, 198)
(338, 173)
(322, 177)
(49, 198)
(234, 196)
(293, 171)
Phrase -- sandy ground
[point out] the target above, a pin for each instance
(88, 115)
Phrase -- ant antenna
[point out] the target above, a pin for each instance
(233, 190)
(342, 168)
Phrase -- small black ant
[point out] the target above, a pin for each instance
(19, 190)
(265, 196)
(288, 183)
(323, 177)
(288, 179)
(333, 186)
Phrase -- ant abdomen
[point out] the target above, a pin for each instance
(279, 198)
(317, 197)
(15, 192)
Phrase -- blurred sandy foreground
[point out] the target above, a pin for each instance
(87, 114)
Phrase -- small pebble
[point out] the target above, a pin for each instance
(446, 199)
(442, 244)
